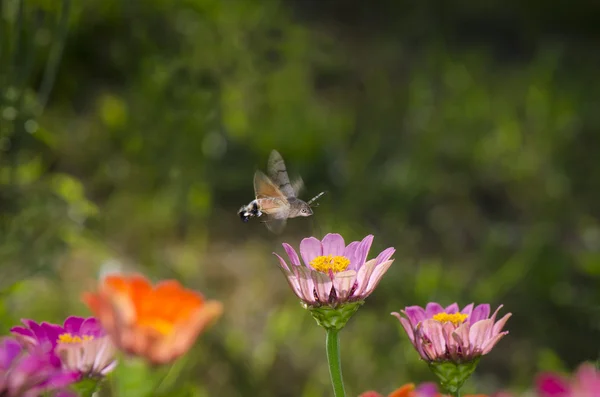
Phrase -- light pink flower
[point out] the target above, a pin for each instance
(333, 273)
(585, 383)
(450, 334)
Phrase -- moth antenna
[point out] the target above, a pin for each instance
(312, 200)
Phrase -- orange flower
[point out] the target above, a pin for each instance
(409, 390)
(159, 323)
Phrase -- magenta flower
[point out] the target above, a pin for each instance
(585, 383)
(449, 334)
(334, 273)
(80, 344)
(26, 373)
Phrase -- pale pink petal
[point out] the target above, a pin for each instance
(490, 343)
(310, 248)
(415, 314)
(282, 263)
(479, 334)
(291, 252)
(363, 276)
(322, 286)
(376, 276)
(453, 308)
(433, 330)
(343, 283)
(481, 312)
(432, 309)
(406, 325)
(421, 343)
(461, 335)
(385, 255)
(333, 244)
(307, 286)
(350, 253)
(500, 324)
(496, 313)
(293, 282)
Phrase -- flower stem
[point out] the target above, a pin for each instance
(332, 343)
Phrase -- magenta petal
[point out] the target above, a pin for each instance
(432, 309)
(22, 331)
(310, 248)
(428, 389)
(453, 308)
(481, 312)
(9, 349)
(385, 255)
(333, 244)
(550, 385)
(91, 326)
(52, 332)
(291, 252)
(415, 314)
(63, 379)
(73, 324)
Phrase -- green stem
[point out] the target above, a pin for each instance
(333, 358)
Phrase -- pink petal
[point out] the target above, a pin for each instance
(322, 285)
(434, 331)
(432, 309)
(385, 255)
(363, 276)
(284, 265)
(461, 336)
(481, 312)
(333, 244)
(406, 325)
(479, 334)
(587, 379)
(500, 324)
(293, 283)
(490, 343)
(310, 248)
(468, 310)
(453, 308)
(362, 251)
(350, 253)
(291, 252)
(376, 276)
(343, 283)
(306, 284)
(415, 314)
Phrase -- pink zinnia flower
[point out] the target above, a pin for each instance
(585, 383)
(334, 273)
(80, 343)
(26, 373)
(450, 334)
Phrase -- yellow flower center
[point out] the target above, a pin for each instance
(326, 263)
(455, 318)
(68, 338)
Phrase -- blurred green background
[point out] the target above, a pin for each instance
(466, 135)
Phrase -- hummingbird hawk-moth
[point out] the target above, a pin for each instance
(276, 196)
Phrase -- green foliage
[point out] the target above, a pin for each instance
(479, 168)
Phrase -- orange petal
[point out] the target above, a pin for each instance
(403, 391)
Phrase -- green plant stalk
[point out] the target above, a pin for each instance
(332, 343)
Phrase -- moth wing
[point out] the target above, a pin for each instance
(279, 175)
(265, 188)
(297, 185)
(275, 225)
